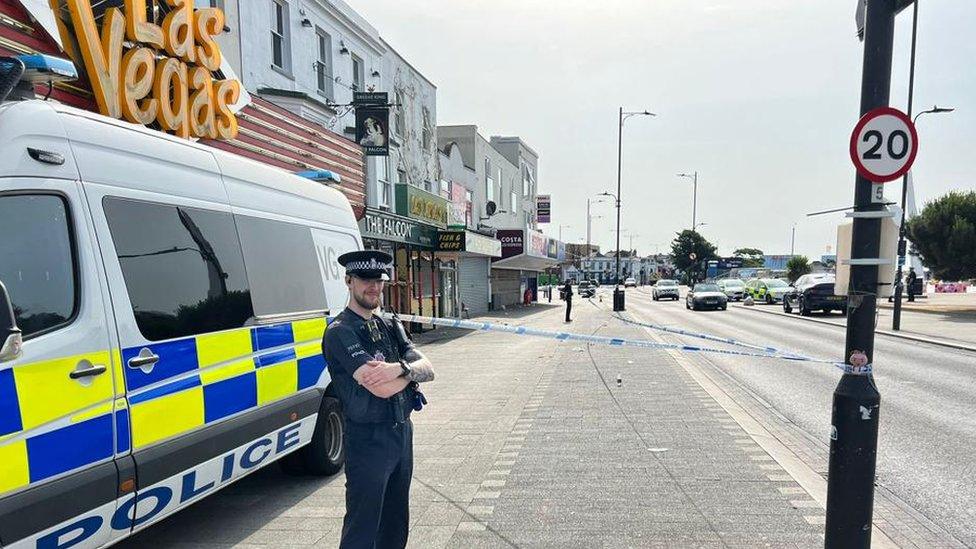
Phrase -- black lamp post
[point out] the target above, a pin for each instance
(618, 293)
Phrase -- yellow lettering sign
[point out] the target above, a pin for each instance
(163, 73)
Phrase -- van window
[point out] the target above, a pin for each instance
(183, 268)
(282, 267)
(37, 262)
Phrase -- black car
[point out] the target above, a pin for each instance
(814, 292)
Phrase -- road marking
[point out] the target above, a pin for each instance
(810, 481)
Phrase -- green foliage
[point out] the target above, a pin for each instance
(945, 235)
(689, 242)
(797, 266)
(751, 257)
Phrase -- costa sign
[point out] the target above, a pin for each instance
(163, 73)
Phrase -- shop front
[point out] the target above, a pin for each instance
(472, 252)
(515, 275)
(412, 246)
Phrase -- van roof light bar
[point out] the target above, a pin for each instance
(321, 176)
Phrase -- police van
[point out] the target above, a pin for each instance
(162, 309)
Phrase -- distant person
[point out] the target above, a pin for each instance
(568, 293)
(910, 280)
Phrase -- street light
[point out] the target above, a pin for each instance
(896, 313)
(618, 294)
(589, 219)
(561, 231)
(694, 202)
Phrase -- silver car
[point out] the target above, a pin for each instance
(733, 288)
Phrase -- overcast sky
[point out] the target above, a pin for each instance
(758, 96)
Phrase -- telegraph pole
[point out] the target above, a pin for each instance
(856, 402)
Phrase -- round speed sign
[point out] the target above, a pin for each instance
(884, 145)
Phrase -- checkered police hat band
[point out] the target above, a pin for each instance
(368, 265)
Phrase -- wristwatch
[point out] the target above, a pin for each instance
(405, 367)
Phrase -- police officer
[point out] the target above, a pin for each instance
(910, 280)
(568, 293)
(375, 369)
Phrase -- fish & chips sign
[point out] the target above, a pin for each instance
(145, 72)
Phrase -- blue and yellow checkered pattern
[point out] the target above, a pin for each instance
(197, 381)
(221, 374)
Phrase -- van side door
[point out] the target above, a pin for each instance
(60, 427)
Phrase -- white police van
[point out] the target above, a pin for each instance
(161, 318)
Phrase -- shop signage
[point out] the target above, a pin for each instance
(373, 130)
(161, 72)
(385, 226)
(537, 244)
(512, 241)
(421, 205)
(459, 206)
(467, 241)
(543, 208)
(450, 241)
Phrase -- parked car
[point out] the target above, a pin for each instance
(706, 296)
(733, 288)
(770, 290)
(665, 288)
(814, 292)
(630, 283)
(587, 288)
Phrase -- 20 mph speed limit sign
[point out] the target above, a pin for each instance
(884, 145)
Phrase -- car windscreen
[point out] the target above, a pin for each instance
(666, 283)
(706, 288)
(734, 283)
(775, 283)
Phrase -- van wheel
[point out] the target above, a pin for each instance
(326, 453)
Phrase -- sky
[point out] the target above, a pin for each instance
(758, 96)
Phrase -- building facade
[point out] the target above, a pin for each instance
(503, 202)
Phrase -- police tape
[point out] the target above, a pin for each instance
(728, 340)
(611, 341)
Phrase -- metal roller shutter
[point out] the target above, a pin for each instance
(473, 280)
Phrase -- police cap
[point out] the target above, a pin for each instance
(367, 264)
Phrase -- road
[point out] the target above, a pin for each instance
(927, 448)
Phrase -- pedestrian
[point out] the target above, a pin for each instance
(910, 280)
(376, 370)
(568, 292)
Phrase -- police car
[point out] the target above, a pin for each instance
(161, 316)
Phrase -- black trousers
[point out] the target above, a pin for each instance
(569, 308)
(379, 466)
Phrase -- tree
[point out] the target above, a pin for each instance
(751, 257)
(945, 235)
(797, 266)
(689, 242)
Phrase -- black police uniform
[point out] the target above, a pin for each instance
(379, 435)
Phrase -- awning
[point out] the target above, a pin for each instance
(525, 262)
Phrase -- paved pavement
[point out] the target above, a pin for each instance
(528, 443)
(928, 433)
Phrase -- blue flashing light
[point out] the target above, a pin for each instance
(322, 176)
(42, 68)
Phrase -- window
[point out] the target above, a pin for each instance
(513, 199)
(402, 176)
(489, 182)
(357, 73)
(323, 66)
(383, 180)
(38, 265)
(428, 134)
(182, 267)
(527, 178)
(468, 199)
(282, 268)
(280, 47)
(399, 125)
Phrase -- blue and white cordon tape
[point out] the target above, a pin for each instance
(612, 341)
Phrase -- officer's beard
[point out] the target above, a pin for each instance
(367, 302)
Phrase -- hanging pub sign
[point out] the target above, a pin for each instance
(370, 99)
(373, 130)
(147, 71)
